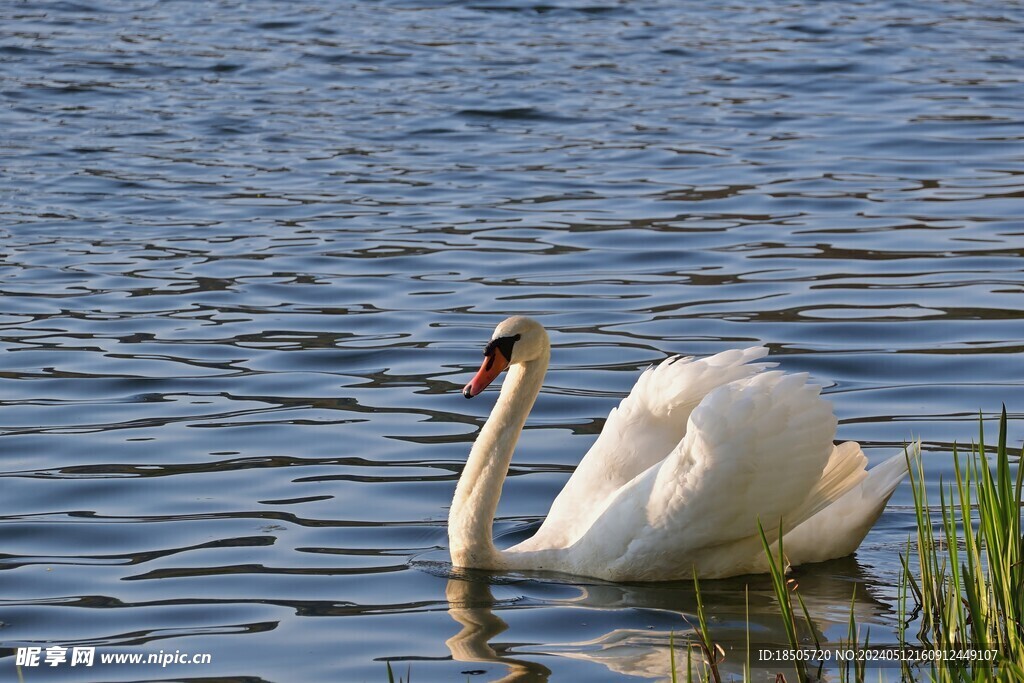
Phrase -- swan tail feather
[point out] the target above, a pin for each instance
(846, 468)
(883, 479)
(838, 529)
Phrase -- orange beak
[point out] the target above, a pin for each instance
(494, 363)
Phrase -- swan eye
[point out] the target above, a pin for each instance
(503, 344)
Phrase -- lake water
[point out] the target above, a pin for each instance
(252, 251)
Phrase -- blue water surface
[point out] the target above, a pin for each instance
(251, 251)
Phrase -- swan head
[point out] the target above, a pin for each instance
(515, 340)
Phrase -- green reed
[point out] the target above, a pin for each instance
(969, 585)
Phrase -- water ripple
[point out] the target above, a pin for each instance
(250, 253)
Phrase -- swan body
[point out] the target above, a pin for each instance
(692, 459)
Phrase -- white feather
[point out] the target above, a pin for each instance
(646, 426)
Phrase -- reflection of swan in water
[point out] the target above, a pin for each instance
(684, 468)
(629, 626)
(470, 603)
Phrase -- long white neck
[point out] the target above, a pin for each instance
(479, 488)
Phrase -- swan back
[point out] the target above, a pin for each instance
(641, 432)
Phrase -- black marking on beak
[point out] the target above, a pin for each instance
(503, 344)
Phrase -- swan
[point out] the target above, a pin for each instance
(686, 466)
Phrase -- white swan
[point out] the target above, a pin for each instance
(683, 470)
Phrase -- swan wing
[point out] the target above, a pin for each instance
(754, 449)
(642, 431)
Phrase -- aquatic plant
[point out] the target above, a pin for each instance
(969, 584)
